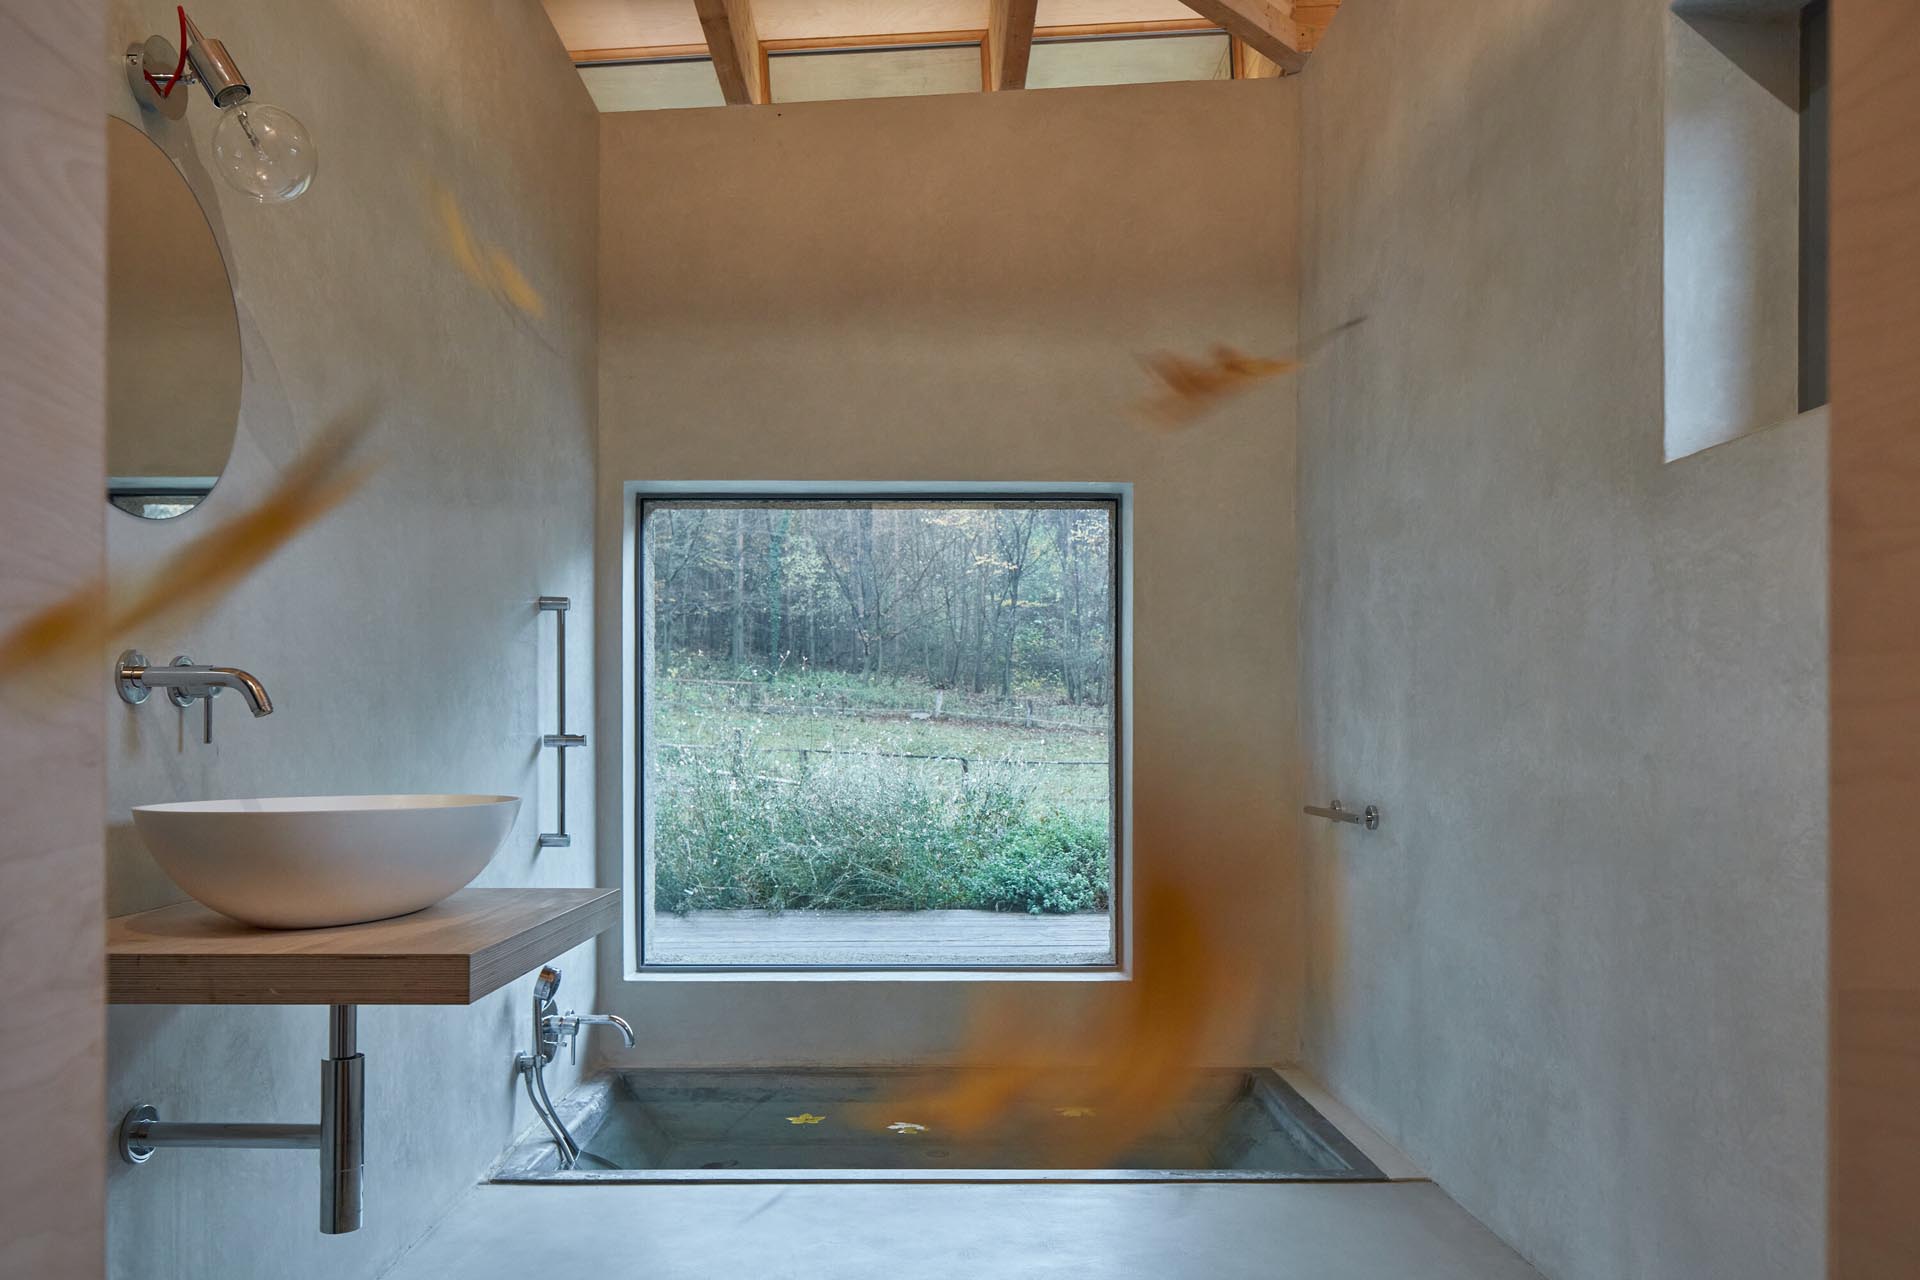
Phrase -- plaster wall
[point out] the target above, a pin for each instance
(1578, 974)
(398, 638)
(956, 289)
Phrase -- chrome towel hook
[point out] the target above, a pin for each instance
(1368, 817)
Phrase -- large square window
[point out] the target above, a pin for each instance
(878, 733)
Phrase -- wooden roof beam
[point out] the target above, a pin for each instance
(735, 48)
(1267, 27)
(1009, 43)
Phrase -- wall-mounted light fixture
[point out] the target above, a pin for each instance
(259, 149)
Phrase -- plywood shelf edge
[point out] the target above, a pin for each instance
(454, 952)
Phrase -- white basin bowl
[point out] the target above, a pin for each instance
(300, 862)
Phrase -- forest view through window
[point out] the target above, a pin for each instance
(878, 733)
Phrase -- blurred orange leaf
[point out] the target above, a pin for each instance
(79, 626)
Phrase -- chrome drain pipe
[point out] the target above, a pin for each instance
(343, 1124)
(340, 1137)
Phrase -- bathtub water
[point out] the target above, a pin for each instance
(842, 1126)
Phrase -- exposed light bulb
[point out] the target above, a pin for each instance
(263, 151)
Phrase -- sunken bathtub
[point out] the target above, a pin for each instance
(842, 1126)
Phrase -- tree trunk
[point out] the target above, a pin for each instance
(1017, 559)
(739, 588)
(1072, 660)
(776, 548)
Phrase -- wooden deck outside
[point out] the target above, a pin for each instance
(835, 938)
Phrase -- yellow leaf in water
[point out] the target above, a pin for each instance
(1074, 1113)
(805, 1117)
(907, 1126)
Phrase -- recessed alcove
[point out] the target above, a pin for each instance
(1744, 224)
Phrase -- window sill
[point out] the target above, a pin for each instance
(1812, 420)
(670, 975)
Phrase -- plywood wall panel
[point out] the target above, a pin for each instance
(1875, 479)
(52, 340)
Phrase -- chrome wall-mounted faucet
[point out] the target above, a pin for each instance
(549, 1029)
(565, 1028)
(186, 683)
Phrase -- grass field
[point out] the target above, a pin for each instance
(828, 793)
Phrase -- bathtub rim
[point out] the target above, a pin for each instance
(531, 1159)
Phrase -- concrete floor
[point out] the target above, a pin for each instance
(1377, 1231)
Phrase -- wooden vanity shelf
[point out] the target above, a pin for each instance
(454, 952)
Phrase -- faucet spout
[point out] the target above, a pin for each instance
(252, 692)
(188, 681)
(613, 1020)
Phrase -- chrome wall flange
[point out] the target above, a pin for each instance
(156, 56)
(134, 1148)
(182, 697)
(124, 679)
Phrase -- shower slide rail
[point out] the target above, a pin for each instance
(560, 740)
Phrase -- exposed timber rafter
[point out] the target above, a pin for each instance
(728, 25)
(1267, 27)
(1009, 42)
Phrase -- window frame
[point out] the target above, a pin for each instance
(638, 495)
(1816, 180)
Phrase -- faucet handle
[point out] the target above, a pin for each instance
(556, 1027)
(181, 696)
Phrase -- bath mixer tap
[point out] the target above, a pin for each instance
(549, 1029)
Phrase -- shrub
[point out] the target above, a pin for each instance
(730, 834)
(1054, 866)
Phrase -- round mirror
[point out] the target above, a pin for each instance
(173, 337)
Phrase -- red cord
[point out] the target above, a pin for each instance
(178, 67)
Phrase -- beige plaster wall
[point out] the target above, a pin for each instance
(954, 289)
(1578, 974)
(398, 639)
